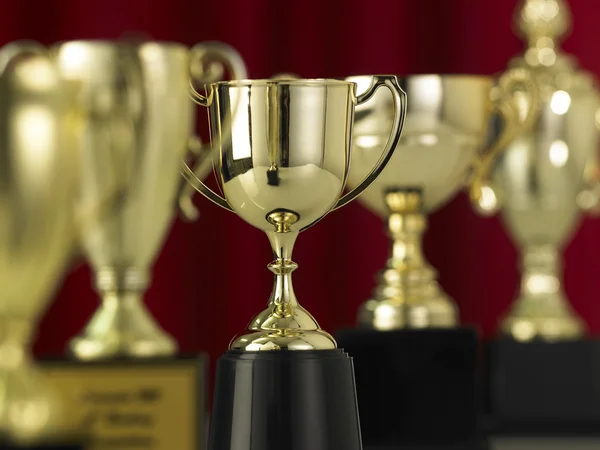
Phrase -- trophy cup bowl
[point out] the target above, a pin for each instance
(443, 149)
(282, 159)
(38, 148)
(140, 126)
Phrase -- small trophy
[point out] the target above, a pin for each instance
(39, 126)
(282, 159)
(140, 124)
(409, 322)
(540, 183)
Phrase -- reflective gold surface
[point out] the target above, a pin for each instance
(542, 175)
(38, 135)
(443, 149)
(140, 126)
(282, 160)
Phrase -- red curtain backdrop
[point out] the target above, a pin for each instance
(211, 276)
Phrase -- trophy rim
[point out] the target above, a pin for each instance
(283, 82)
(174, 45)
(450, 75)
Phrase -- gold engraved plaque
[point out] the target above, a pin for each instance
(150, 405)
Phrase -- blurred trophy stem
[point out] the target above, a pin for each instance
(542, 300)
(122, 292)
(408, 278)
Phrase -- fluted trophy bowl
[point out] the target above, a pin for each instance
(540, 181)
(445, 127)
(38, 130)
(141, 124)
(443, 150)
(282, 160)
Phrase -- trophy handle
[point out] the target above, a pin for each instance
(391, 82)
(186, 191)
(207, 63)
(15, 49)
(482, 194)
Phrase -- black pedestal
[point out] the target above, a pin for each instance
(544, 388)
(300, 400)
(134, 404)
(416, 388)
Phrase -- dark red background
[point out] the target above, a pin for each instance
(211, 276)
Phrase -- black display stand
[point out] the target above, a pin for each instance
(544, 388)
(417, 389)
(145, 403)
(275, 400)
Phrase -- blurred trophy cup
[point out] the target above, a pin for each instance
(124, 384)
(411, 357)
(544, 375)
(282, 160)
(39, 127)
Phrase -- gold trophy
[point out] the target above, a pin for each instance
(38, 146)
(282, 159)
(444, 139)
(410, 321)
(140, 124)
(540, 184)
(135, 146)
(541, 178)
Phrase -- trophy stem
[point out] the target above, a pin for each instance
(284, 325)
(407, 294)
(542, 310)
(29, 409)
(122, 327)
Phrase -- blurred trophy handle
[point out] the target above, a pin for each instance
(588, 199)
(484, 197)
(16, 49)
(201, 165)
(207, 65)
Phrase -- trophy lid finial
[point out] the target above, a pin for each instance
(543, 23)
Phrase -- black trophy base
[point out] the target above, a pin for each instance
(301, 400)
(478, 445)
(129, 404)
(416, 388)
(544, 388)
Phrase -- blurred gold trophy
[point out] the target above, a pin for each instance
(542, 176)
(282, 160)
(443, 148)
(141, 127)
(38, 146)
(542, 373)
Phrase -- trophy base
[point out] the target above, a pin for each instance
(541, 388)
(67, 444)
(416, 386)
(475, 445)
(274, 400)
(147, 403)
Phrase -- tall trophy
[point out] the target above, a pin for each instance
(39, 126)
(140, 125)
(411, 357)
(282, 160)
(542, 371)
